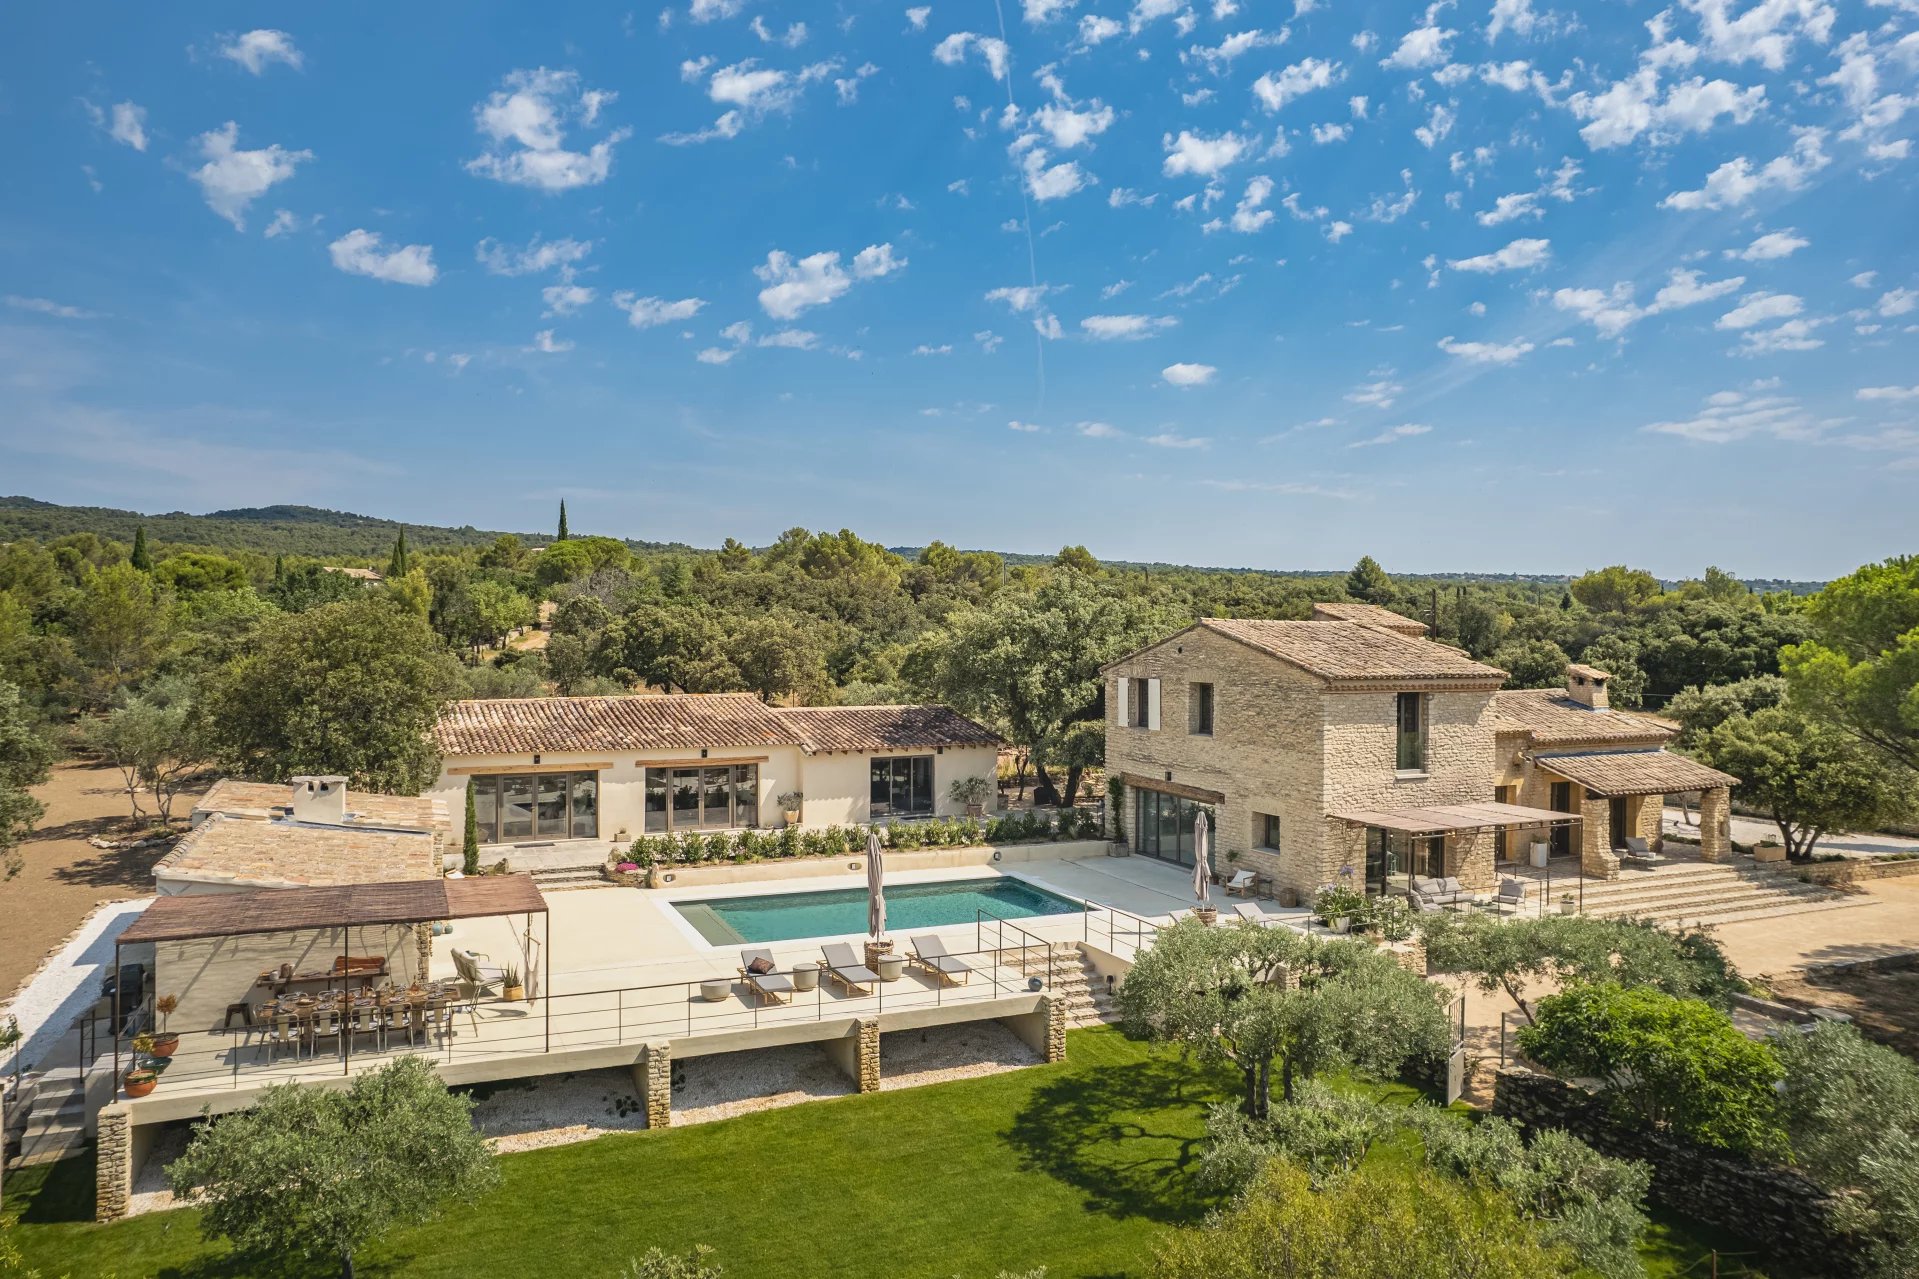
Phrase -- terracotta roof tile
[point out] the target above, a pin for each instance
(225, 849)
(1352, 653)
(881, 728)
(522, 725)
(1636, 772)
(1553, 719)
(1368, 615)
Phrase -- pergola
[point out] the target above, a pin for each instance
(1431, 820)
(196, 916)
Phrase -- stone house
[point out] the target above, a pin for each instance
(600, 770)
(1334, 747)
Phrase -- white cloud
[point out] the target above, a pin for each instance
(1188, 374)
(945, 348)
(1438, 125)
(1070, 128)
(1379, 395)
(1485, 352)
(1765, 32)
(848, 87)
(545, 343)
(1391, 435)
(1511, 15)
(1040, 12)
(1773, 244)
(1199, 155)
(1633, 106)
(1094, 29)
(918, 16)
(1276, 90)
(524, 124)
(1898, 302)
(793, 37)
(565, 299)
(257, 50)
(1507, 208)
(1864, 280)
(1248, 214)
(1052, 182)
(649, 312)
(1220, 57)
(1520, 255)
(1793, 335)
(1613, 312)
(1100, 431)
(286, 222)
(1736, 181)
(1892, 393)
(1898, 149)
(704, 11)
(791, 339)
(953, 50)
(759, 90)
(1325, 134)
(1120, 197)
(361, 252)
(716, 354)
(1337, 231)
(129, 125)
(1760, 308)
(1021, 297)
(47, 306)
(538, 255)
(232, 179)
(793, 285)
(1174, 440)
(1124, 328)
(1426, 45)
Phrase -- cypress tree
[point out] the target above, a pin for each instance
(141, 559)
(279, 569)
(470, 850)
(396, 566)
(562, 536)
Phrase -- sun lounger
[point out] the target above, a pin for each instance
(844, 967)
(929, 952)
(771, 987)
(1241, 884)
(1250, 913)
(1637, 852)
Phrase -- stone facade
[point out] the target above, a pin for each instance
(1715, 825)
(113, 1162)
(656, 1071)
(1792, 1218)
(1285, 744)
(1053, 1008)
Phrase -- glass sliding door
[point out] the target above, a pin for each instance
(901, 786)
(714, 797)
(516, 808)
(527, 806)
(1163, 825)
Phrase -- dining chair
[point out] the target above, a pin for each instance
(286, 1034)
(366, 1021)
(325, 1025)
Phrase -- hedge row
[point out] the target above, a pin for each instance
(691, 848)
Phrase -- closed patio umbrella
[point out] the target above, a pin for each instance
(875, 885)
(1202, 859)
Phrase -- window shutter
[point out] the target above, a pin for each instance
(1125, 718)
(1152, 703)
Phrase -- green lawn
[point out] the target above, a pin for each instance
(1077, 1167)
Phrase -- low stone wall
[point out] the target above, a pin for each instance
(1895, 962)
(1787, 1215)
(896, 860)
(1850, 871)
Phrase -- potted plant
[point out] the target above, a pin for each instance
(790, 804)
(165, 1044)
(1568, 904)
(511, 988)
(1769, 849)
(971, 792)
(1339, 905)
(141, 1080)
(1116, 790)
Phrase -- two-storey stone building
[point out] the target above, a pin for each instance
(1346, 746)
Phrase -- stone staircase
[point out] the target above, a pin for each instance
(56, 1121)
(1703, 893)
(1087, 1003)
(553, 879)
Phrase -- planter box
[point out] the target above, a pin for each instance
(1769, 852)
(709, 873)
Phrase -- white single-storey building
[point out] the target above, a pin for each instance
(606, 770)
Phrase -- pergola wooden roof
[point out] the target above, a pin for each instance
(278, 910)
(1635, 772)
(1444, 819)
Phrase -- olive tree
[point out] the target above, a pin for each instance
(318, 1173)
(1254, 996)
(26, 759)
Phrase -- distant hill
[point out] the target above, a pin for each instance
(324, 534)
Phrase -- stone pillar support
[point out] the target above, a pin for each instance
(858, 1055)
(653, 1076)
(1043, 1030)
(1596, 856)
(113, 1163)
(1715, 824)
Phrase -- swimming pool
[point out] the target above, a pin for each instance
(729, 921)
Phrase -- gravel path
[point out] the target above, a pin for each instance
(68, 982)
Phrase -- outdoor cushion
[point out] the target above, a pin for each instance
(760, 965)
(1451, 885)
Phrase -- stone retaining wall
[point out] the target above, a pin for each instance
(1850, 871)
(113, 1163)
(1787, 1215)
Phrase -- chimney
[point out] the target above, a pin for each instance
(1587, 686)
(321, 800)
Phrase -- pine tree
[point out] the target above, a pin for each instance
(279, 569)
(1368, 582)
(562, 536)
(470, 850)
(397, 565)
(140, 558)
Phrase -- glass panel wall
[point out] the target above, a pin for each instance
(902, 786)
(524, 806)
(713, 797)
(1163, 825)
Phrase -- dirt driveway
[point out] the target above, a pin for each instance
(65, 877)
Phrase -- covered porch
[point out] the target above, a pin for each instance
(1622, 795)
(1465, 841)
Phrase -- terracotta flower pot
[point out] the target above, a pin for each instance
(139, 1083)
(165, 1045)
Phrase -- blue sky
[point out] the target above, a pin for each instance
(1494, 285)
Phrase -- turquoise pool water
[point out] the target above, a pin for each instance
(729, 921)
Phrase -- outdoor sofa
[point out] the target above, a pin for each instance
(1431, 894)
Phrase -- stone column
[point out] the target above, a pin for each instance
(1715, 824)
(113, 1163)
(655, 1077)
(869, 1054)
(1595, 836)
(423, 940)
(1053, 1008)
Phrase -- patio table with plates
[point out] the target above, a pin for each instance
(302, 1020)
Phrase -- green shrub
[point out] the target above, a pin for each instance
(1675, 1064)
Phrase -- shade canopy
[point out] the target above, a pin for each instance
(1445, 819)
(277, 910)
(1613, 773)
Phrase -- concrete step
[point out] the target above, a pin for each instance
(1681, 899)
(560, 879)
(48, 1148)
(1740, 914)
